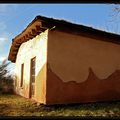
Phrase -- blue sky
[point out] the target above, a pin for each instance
(15, 17)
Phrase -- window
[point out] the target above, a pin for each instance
(33, 70)
(33, 76)
(22, 71)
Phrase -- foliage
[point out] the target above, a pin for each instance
(6, 79)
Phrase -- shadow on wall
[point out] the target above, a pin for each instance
(59, 92)
(24, 90)
(91, 90)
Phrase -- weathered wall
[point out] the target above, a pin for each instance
(81, 69)
(37, 47)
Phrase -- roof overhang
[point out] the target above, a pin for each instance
(33, 29)
(40, 24)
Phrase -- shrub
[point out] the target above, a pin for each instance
(6, 79)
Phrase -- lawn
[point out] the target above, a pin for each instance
(14, 105)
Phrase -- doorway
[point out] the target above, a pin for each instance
(32, 77)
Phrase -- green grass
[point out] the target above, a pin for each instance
(14, 105)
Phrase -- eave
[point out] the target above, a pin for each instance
(32, 30)
(40, 24)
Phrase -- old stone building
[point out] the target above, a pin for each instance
(59, 62)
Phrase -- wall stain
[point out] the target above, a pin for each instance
(91, 90)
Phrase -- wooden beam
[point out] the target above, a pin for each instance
(16, 44)
(34, 32)
(13, 60)
(17, 41)
(14, 52)
(23, 39)
(13, 55)
(26, 38)
(31, 35)
(15, 48)
(38, 29)
(41, 28)
(46, 25)
(44, 28)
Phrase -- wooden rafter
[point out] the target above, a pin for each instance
(27, 37)
(31, 35)
(16, 44)
(15, 48)
(14, 53)
(38, 28)
(24, 39)
(34, 32)
(16, 41)
(41, 28)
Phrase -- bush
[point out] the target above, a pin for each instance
(6, 79)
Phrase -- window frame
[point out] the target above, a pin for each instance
(32, 76)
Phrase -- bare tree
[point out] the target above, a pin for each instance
(113, 23)
(117, 8)
(6, 79)
(115, 12)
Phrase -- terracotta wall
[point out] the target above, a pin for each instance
(70, 68)
(37, 47)
(81, 69)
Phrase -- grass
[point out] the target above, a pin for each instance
(14, 105)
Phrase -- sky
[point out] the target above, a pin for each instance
(15, 17)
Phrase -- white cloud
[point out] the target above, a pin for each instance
(2, 39)
(2, 59)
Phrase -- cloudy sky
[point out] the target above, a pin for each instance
(15, 17)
